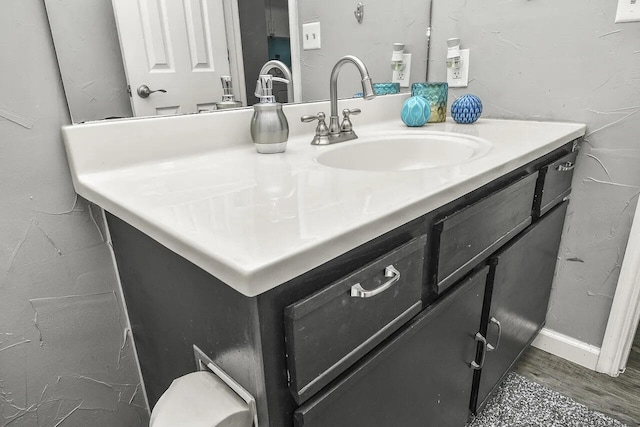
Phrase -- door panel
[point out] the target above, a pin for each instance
(179, 46)
(155, 29)
(523, 274)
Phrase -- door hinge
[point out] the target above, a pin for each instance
(129, 90)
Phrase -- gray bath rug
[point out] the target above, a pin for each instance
(522, 403)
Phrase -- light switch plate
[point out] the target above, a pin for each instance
(628, 11)
(460, 77)
(404, 75)
(311, 36)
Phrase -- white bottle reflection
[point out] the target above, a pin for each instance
(276, 192)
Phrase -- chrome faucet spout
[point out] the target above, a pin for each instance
(337, 132)
(367, 88)
(285, 71)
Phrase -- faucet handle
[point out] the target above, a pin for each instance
(319, 117)
(322, 131)
(347, 126)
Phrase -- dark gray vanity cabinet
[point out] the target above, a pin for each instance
(420, 377)
(313, 355)
(517, 298)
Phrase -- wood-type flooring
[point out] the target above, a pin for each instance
(617, 397)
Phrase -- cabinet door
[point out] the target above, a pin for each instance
(522, 277)
(421, 377)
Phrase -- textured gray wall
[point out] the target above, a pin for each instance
(65, 357)
(564, 61)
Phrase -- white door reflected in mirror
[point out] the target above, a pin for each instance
(174, 54)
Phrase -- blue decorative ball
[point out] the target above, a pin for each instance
(466, 109)
(415, 111)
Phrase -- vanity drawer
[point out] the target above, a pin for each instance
(555, 183)
(331, 329)
(469, 235)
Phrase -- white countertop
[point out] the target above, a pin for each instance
(196, 184)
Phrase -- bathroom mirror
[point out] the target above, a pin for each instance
(92, 70)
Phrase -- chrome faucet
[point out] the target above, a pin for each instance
(337, 132)
(285, 71)
(367, 88)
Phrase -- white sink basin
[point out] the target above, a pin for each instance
(401, 151)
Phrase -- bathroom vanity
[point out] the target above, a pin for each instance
(335, 296)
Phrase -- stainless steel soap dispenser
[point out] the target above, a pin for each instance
(228, 99)
(269, 126)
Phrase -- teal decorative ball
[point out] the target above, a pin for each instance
(466, 109)
(415, 111)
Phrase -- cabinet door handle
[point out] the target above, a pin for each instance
(358, 291)
(497, 323)
(566, 166)
(482, 340)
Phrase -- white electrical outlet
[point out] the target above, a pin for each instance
(403, 76)
(459, 77)
(628, 11)
(311, 36)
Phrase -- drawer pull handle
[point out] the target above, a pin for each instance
(497, 323)
(358, 291)
(566, 166)
(482, 340)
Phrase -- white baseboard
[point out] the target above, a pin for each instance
(568, 348)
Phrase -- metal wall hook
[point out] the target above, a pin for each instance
(359, 12)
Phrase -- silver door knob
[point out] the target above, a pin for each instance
(144, 91)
